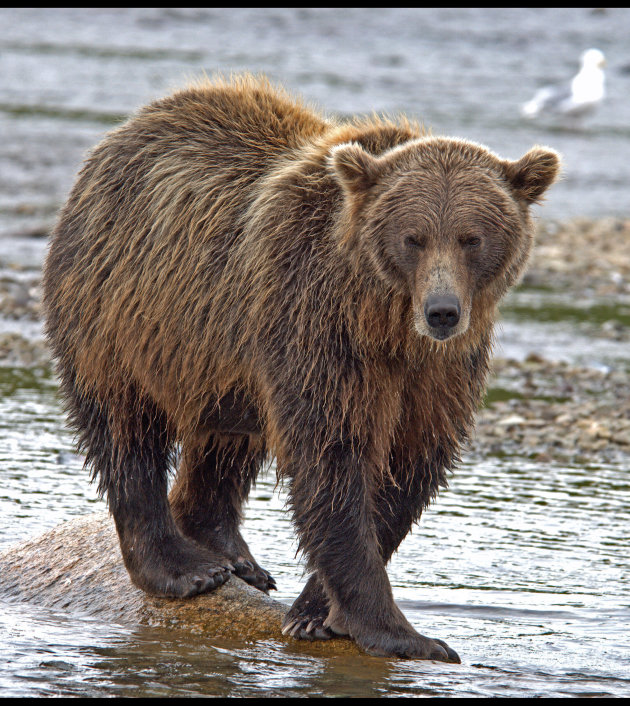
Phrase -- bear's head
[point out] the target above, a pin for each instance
(442, 220)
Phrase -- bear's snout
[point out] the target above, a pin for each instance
(442, 313)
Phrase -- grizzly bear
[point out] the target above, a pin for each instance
(234, 278)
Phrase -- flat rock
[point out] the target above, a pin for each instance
(78, 567)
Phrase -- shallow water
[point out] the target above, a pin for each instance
(562, 327)
(522, 568)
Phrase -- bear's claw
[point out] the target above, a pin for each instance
(303, 628)
(254, 575)
(202, 582)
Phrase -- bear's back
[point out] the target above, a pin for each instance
(245, 122)
(150, 276)
(151, 220)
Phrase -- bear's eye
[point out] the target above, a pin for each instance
(417, 243)
(472, 242)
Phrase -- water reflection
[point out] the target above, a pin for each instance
(71, 656)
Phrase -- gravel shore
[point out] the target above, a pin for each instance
(555, 411)
(543, 409)
(582, 257)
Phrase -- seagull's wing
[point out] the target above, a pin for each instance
(549, 98)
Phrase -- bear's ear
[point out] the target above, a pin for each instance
(533, 173)
(355, 169)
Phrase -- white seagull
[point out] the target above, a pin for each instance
(580, 97)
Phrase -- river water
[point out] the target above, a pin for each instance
(523, 568)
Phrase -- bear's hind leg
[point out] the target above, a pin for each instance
(129, 452)
(305, 619)
(212, 483)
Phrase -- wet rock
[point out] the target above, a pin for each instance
(621, 437)
(78, 567)
(20, 298)
(568, 413)
(512, 420)
(582, 254)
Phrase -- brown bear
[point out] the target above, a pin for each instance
(235, 278)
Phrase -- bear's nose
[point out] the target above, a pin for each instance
(442, 311)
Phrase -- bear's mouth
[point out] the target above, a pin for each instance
(436, 333)
(442, 333)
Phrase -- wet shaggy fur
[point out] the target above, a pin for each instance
(236, 275)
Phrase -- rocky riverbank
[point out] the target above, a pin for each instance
(555, 411)
(583, 257)
(543, 409)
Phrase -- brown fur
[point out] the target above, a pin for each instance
(237, 274)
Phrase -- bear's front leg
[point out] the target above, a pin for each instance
(401, 497)
(333, 503)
